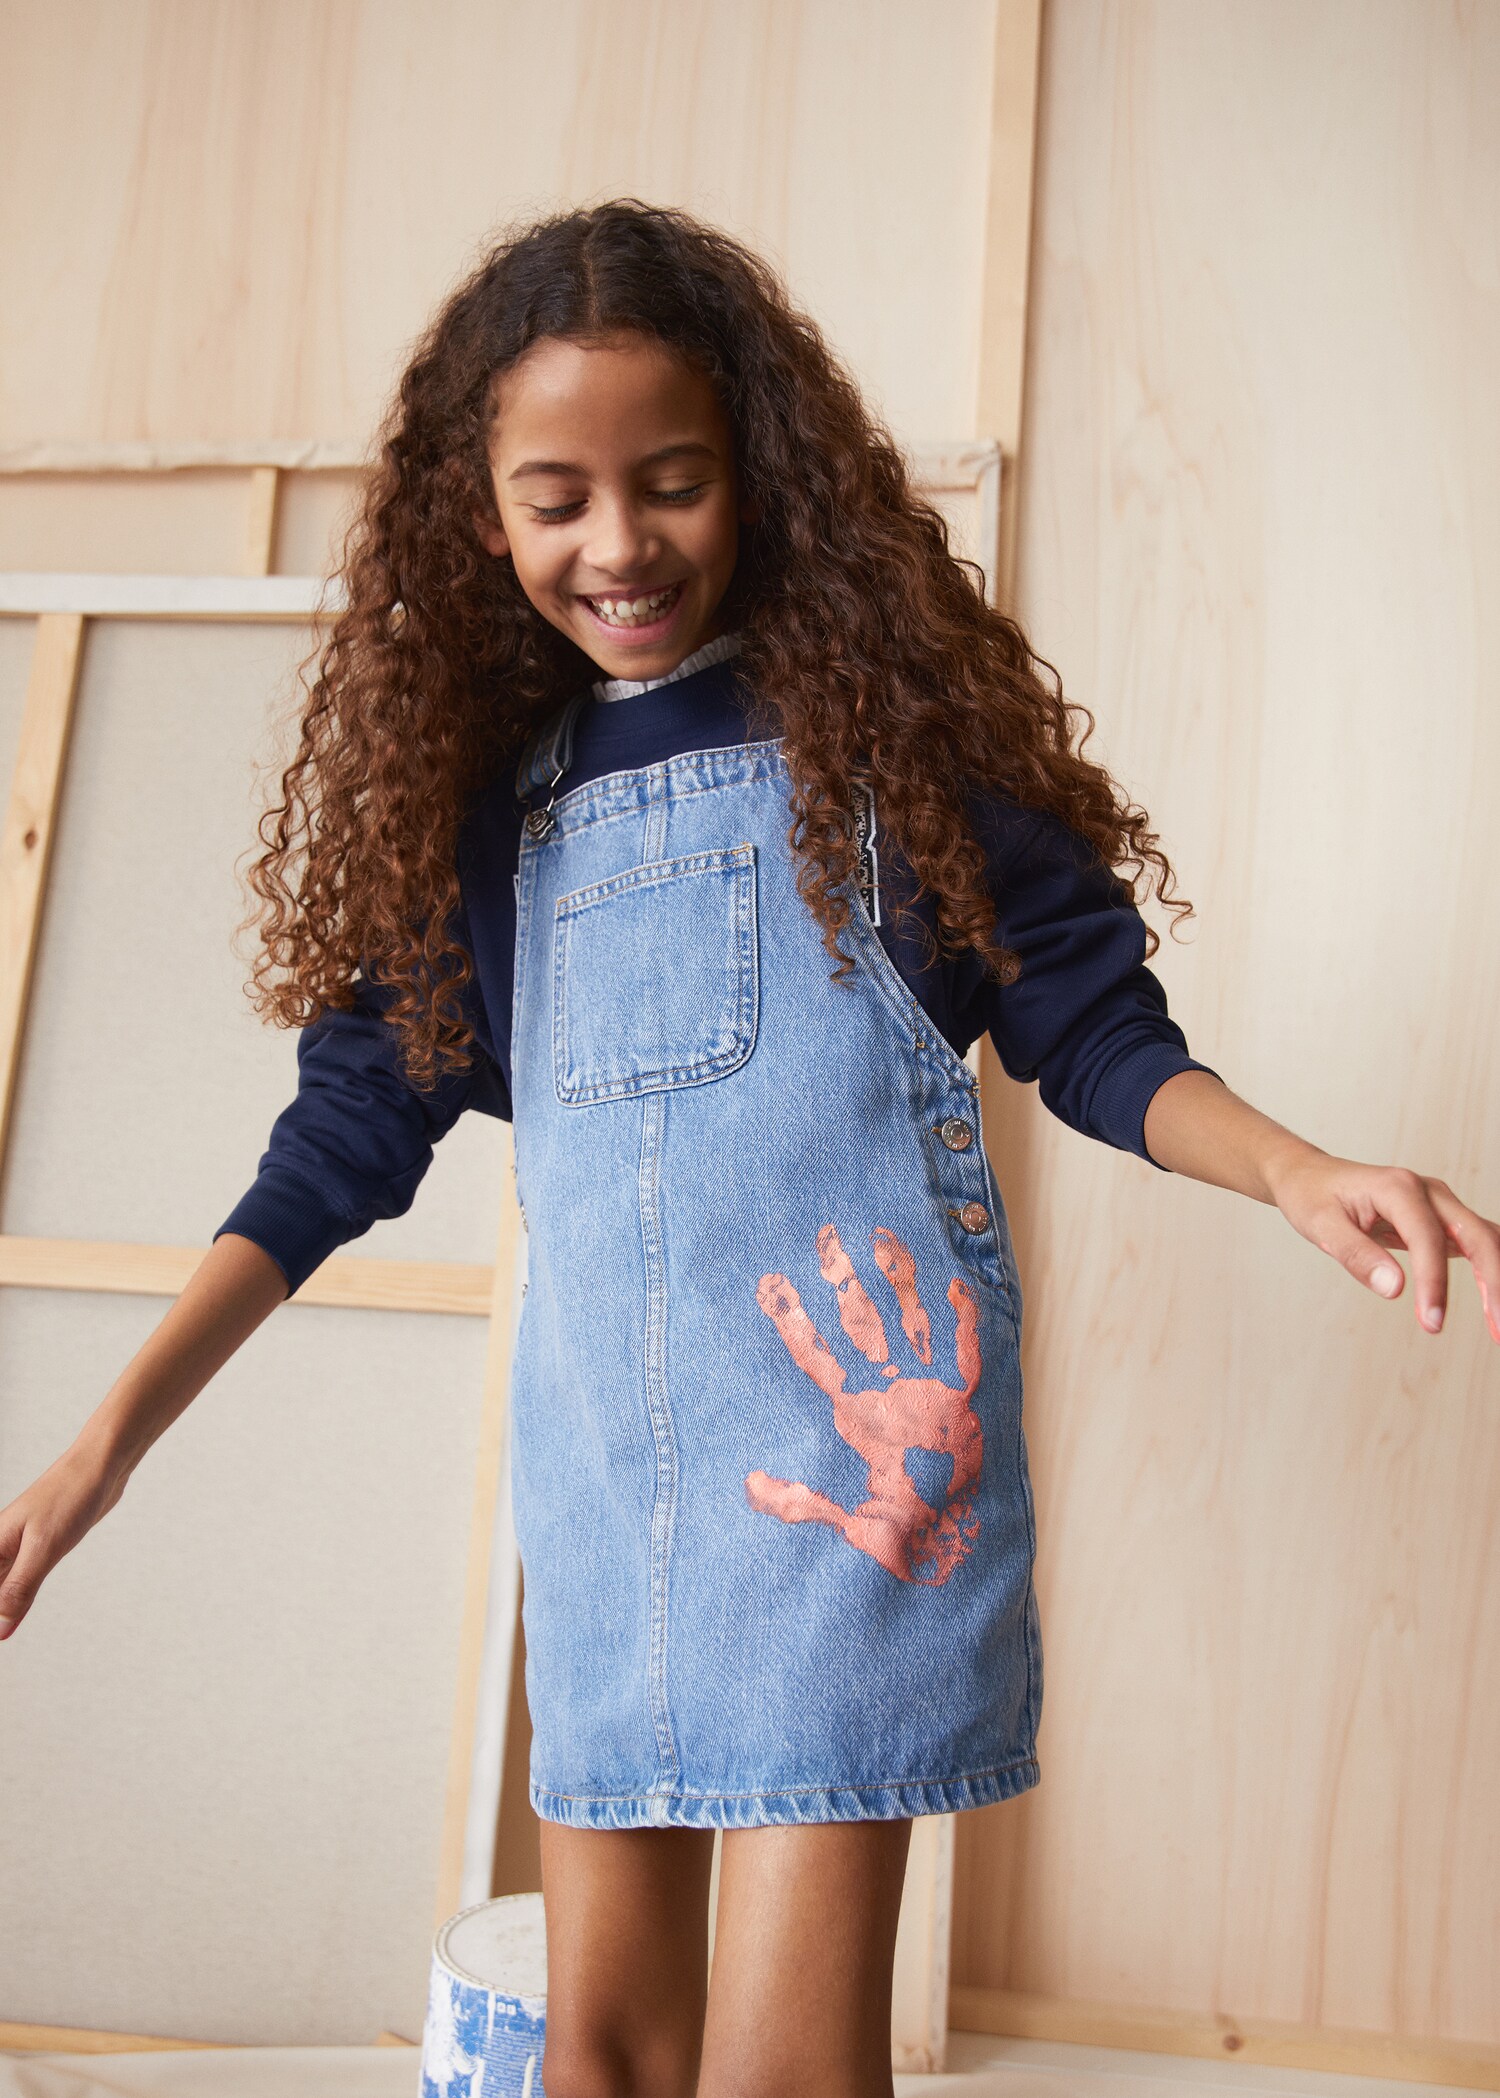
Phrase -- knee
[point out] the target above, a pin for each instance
(581, 2072)
(749, 2080)
(592, 2069)
(861, 2074)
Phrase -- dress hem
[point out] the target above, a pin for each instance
(893, 1800)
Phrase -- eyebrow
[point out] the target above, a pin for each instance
(563, 466)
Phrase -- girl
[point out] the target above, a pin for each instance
(668, 786)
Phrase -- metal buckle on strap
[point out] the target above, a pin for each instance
(549, 752)
(541, 823)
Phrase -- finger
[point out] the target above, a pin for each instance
(18, 1590)
(961, 1297)
(806, 1346)
(857, 1315)
(1478, 1241)
(1403, 1199)
(792, 1501)
(1386, 1234)
(1367, 1261)
(899, 1269)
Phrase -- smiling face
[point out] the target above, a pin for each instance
(614, 477)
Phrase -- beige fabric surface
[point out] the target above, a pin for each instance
(148, 1085)
(17, 640)
(225, 1754)
(227, 1718)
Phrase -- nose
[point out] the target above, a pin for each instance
(623, 540)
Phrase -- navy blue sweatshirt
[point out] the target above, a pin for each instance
(1086, 1018)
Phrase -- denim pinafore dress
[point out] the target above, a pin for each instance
(769, 1478)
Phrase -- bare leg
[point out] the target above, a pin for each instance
(627, 1960)
(804, 1941)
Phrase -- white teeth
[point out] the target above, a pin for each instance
(633, 611)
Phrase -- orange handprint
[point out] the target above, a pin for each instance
(894, 1526)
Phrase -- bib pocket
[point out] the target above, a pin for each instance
(655, 977)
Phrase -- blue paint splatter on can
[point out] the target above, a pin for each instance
(487, 2002)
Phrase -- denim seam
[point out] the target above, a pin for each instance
(663, 1495)
(882, 973)
(664, 1499)
(670, 1078)
(525, 864)
(987, 1269)
(655, 874)
(1004, 1258)
(618, 803)
(935, 1055)
(889, 1784)
(1023, 1483)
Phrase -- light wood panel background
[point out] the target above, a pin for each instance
(229, 221)
(1259, 526)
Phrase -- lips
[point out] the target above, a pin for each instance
(639, 630)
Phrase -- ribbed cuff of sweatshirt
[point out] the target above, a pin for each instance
(288, 1218)
(1124, 1091)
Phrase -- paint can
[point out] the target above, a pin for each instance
(487, 2002)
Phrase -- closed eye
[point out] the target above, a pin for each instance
(556, 514)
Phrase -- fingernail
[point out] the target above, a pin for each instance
(1386, 1279)
(7, 1626)
(1432, 1318)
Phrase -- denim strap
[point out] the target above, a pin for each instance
(550, 752)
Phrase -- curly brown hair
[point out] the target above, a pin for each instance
(868, 641)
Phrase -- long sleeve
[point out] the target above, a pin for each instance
(354, 1143)
(1085, 1018)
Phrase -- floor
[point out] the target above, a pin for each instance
(979, 2067)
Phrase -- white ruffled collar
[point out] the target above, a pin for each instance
(711, 652)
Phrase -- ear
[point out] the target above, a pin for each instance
(492, 536)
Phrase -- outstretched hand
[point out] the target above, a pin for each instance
(47, 1520)
(1355, 1212)
(1194, 1124)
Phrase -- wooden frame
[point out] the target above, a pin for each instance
(1015, 99)
(20, 2037)
(26, 843)
(286, 600)
(163, 1271)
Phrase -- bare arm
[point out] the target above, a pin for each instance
(1197, 1126)
(234, 1287)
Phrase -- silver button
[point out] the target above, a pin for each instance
(957, 1135)
(973, 1216)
